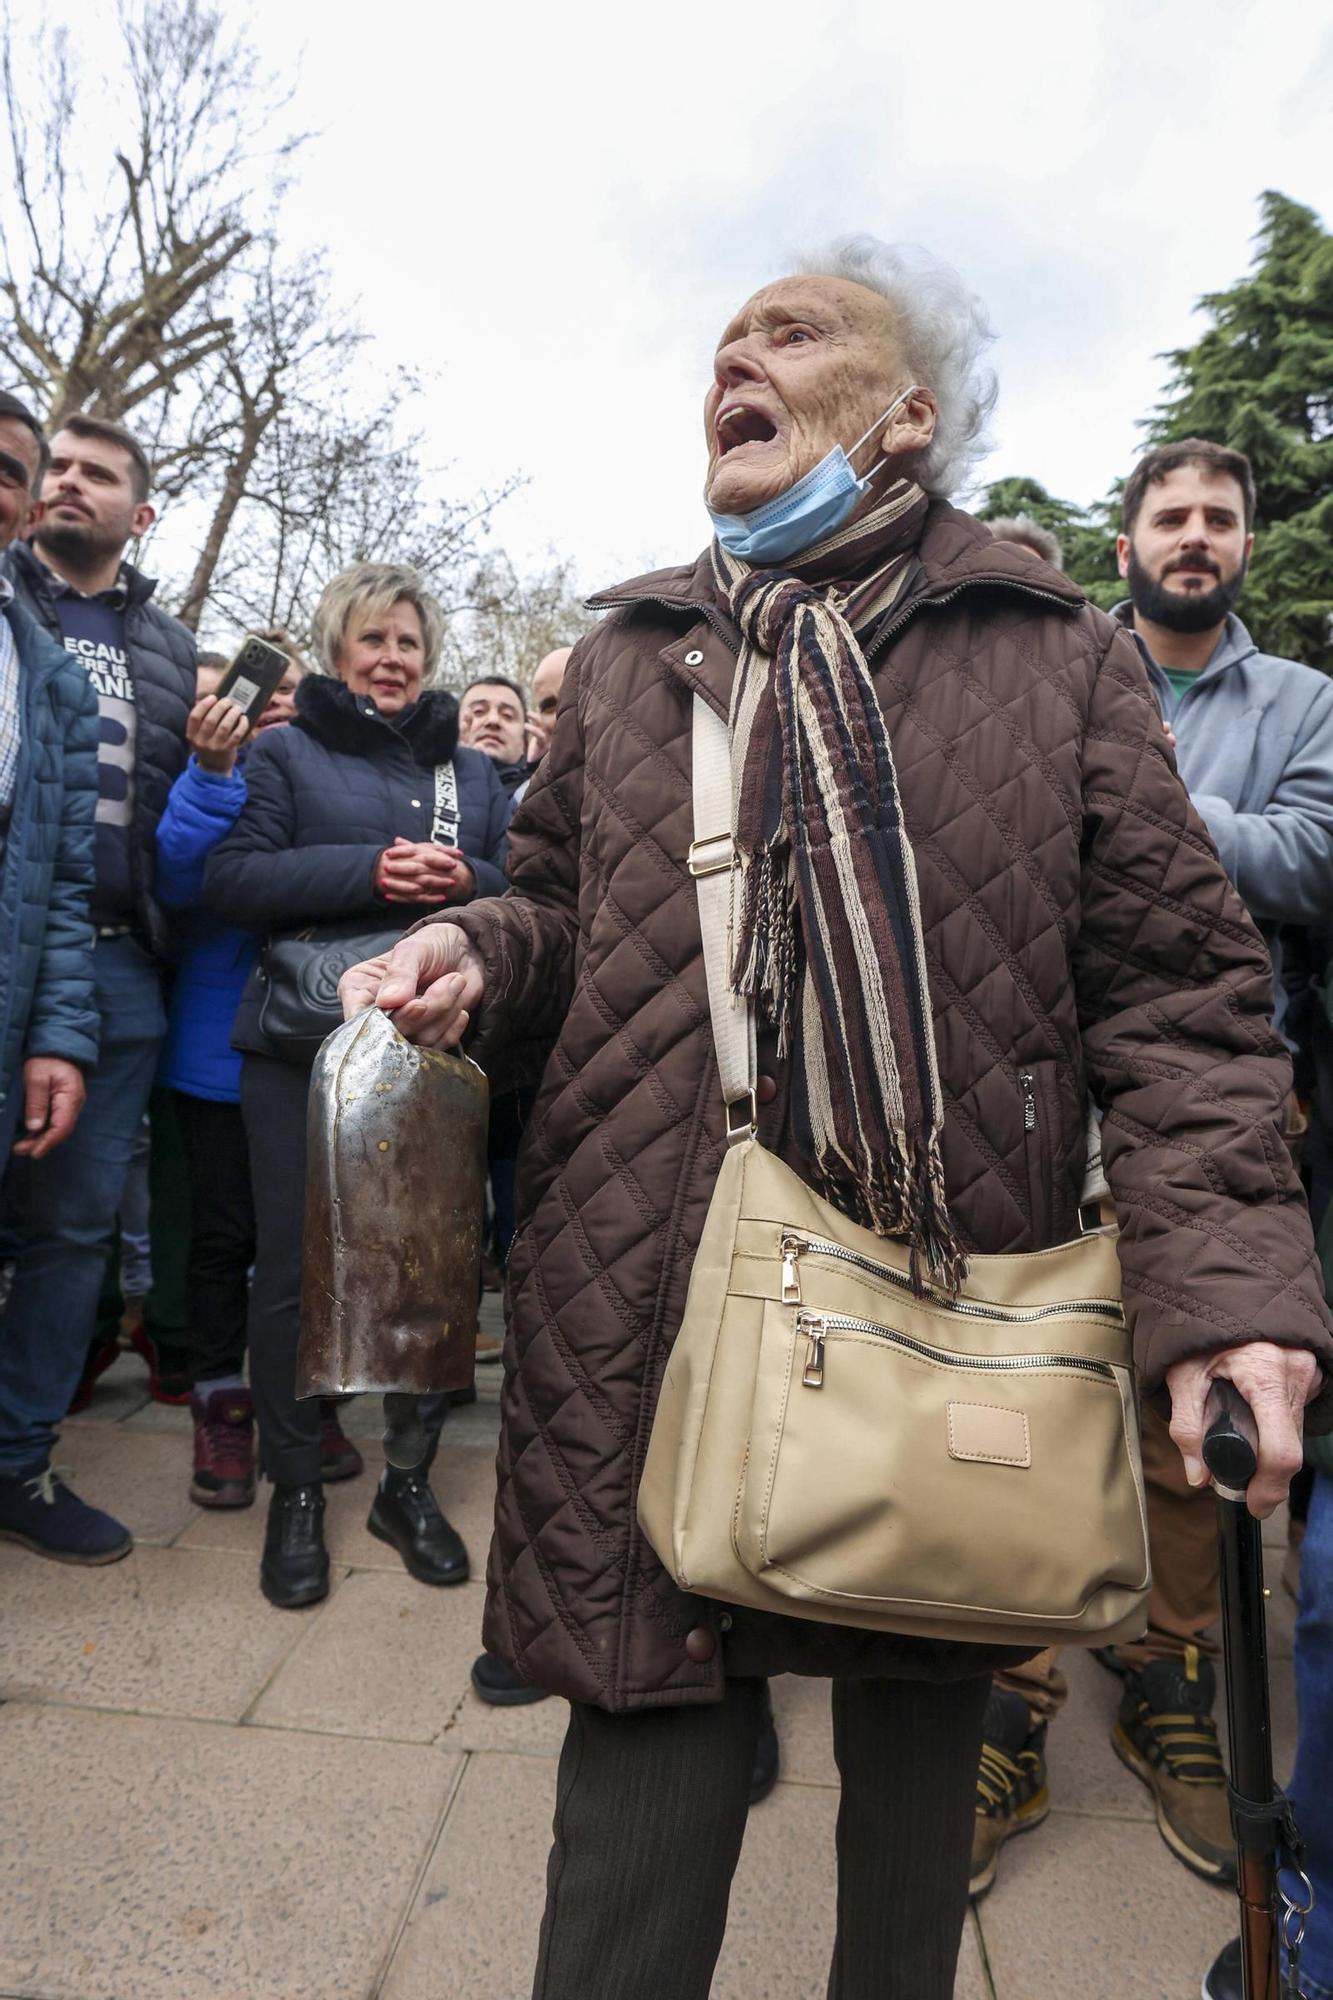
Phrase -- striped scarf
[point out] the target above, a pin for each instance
(827, 932)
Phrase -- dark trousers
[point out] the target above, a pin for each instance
(222, 1233)
(650, 1815)
(273, 1102)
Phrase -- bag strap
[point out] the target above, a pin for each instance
(712, 861)
(444, 827)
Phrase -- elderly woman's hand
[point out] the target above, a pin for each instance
(430, 982)
(1276, 1382)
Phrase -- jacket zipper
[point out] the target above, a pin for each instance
(817, 1326)
(1029, 1090)
(794, 1247)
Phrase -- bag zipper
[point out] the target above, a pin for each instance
(794, 1247)
(817, 1326)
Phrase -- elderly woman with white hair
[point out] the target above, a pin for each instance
(967, 888)
(365, 811)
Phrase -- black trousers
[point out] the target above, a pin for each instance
(222, 1233)
(650, 1815)
(273, 1100)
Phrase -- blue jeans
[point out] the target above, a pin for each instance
(1312, 1780)
(59, 1214)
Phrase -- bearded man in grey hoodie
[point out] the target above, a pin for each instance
(1253, 737)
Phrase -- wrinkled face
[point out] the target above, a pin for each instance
(491, 718)
(281, 705)
(1185, 559)
(18, 469)
(547, 683)
(806, 364)
(89, 506)
(384, 657)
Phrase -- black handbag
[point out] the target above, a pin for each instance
(295, 978)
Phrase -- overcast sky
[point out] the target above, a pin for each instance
(552, 211)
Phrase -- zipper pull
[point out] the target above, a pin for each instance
(792, 1247)
(1025, 1084)
(812, 1326)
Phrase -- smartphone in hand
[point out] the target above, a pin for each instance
(252, 676)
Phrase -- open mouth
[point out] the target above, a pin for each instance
(738, 424)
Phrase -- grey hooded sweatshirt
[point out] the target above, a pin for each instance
(1254, 746)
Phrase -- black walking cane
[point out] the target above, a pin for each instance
(1266, 1835)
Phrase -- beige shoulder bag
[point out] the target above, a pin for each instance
(829, 1445)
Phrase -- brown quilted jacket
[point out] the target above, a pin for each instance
(1079, 928)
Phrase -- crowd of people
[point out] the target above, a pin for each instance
(1123, 833)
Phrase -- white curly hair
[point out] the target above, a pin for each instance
(944, 331)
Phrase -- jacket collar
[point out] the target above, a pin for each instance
(1234, 644)
(131, 587)
(328, 710)
(955, 553)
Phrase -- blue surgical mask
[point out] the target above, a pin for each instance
(815, 507)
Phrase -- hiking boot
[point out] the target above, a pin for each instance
(406, 1514)
(495, 1683)
(1012, 1795)
(338, 1456)
(38, 1511)
(1168, 1738)
(1224, 1979)
(294, 1571)
(224, 1447)
(489, 1347)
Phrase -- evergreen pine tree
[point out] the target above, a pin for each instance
(1260, 378)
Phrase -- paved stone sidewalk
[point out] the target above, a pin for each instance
(202, 1798)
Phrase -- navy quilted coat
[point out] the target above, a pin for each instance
(46, 940)
(164, 662)
(1079, 927)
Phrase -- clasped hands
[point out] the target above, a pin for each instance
(421, 871)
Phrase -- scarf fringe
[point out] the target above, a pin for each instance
(767, 966)
(899, 1193)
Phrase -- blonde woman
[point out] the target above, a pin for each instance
(365, 807)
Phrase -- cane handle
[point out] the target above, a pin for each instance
(1231, 1443)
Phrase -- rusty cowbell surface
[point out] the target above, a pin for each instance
(395, 1190)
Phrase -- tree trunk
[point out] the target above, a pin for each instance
(233, 491)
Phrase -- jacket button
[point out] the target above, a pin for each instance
(416, 802)
(694, 659)
(765, 1090)
(700, 1645)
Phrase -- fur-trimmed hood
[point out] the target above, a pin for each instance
(328, 710)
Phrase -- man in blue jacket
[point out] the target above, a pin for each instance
(140, 665)
(48, 1014)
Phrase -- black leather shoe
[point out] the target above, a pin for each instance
(295, 1568)
(406, 1514)
(499, 1685)
(766, 1754)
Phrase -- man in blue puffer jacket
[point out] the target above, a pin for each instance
(48, 1015)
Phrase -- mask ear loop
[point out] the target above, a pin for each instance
(895, 405)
